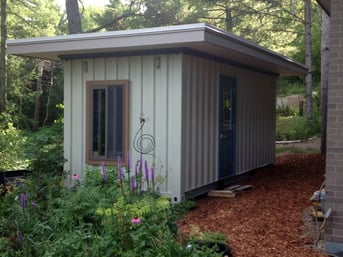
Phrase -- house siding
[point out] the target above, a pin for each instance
(255, 120)
(155, 94)
(177, 95)
(334, 157)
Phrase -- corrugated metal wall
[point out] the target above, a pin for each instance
(178, 96)
(255, 120)
(155, 89)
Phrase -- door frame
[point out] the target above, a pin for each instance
(233, 83)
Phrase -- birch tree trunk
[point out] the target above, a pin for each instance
(36, 113)
(308, 59)
(73, 17)
(3, 57)
(324, 77)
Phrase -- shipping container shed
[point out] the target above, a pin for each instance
(196, 102)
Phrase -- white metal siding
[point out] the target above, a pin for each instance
(255, 120)
(255, 130)
(155, 94)
(199, 123)
(178, 97)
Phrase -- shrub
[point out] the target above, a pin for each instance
(45, 150)
(109, 213)
(285, 111)
(297, 128)
(11, 145)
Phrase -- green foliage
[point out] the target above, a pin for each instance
(183, 207)
(32, 18)
(285, 111)
(97, 216)
(26, 19)
(297, 128)
(45, 149)
(11, 143)
(291, 126)
(290, 86)
(197, 234)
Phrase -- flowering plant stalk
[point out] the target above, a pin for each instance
(104, 172)
(120, 175)
(153, 178)
(146, 173)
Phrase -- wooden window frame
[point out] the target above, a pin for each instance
(91, 85)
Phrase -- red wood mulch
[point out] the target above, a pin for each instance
(266, 220)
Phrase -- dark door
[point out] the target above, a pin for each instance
(227, 102)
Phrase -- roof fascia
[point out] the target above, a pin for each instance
(138, 40)
(326, 5)
(249, 48)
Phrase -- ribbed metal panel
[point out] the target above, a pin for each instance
(155, 94)
(255, 120)
(199, 122)
(178, 97)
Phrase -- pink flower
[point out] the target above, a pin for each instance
(136, 220)
(75, 177)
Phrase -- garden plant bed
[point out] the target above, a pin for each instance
(267, 220)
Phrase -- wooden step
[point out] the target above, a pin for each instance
(230, 191)
(233, 187)
(221, 193)
(243, 188)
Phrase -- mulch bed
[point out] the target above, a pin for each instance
(268, 219)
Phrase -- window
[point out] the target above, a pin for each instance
(107, 121)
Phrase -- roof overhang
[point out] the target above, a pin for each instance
(325, 4)
(200, 38)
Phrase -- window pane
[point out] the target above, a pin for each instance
(99, 122)
(227, 109)
(106, 122)
(115, 122)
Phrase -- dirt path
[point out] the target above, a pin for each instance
(266, 221)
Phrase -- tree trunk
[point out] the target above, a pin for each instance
(36, 114)
(3, 57)
(228, 19)
(52, 71)
(73, 17)
(308, 59)
(324, 77)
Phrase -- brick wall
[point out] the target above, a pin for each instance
(334, 158)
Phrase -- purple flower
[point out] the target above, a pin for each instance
(23, 200)
(104, 172)
(75, 177)
(146, 170)
(20, 237)
(136, 171)
(133, 183)
(136, 220)
(33, 204)
(120, 171)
